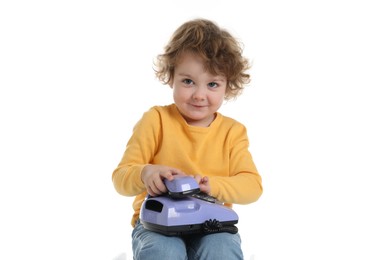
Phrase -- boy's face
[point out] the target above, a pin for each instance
(197, 93)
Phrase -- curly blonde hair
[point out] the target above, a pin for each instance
(219, 50)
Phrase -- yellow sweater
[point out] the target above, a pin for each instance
(219, 151)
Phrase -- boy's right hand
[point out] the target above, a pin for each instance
(152, 176)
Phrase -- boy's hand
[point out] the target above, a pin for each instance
(204, 183)
(153, 175)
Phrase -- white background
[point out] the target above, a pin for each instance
(75, 76)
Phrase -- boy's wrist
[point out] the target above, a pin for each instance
(143, 172)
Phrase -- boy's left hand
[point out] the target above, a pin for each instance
(204, 183)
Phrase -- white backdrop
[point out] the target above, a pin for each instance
(75, 76)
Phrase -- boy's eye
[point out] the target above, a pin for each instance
(213, 85)
(187, 81)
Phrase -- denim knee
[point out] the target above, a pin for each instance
(150, 245)
(224, 246)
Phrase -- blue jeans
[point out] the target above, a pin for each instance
(151, 245)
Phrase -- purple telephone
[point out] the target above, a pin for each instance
(185, 210)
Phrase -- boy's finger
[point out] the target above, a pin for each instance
(160, 186)
(177, 172)
(167, 175)
(198, 178)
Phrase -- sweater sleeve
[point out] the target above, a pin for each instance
(139, 152)
(244, 184)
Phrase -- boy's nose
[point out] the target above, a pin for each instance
(199, 94)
